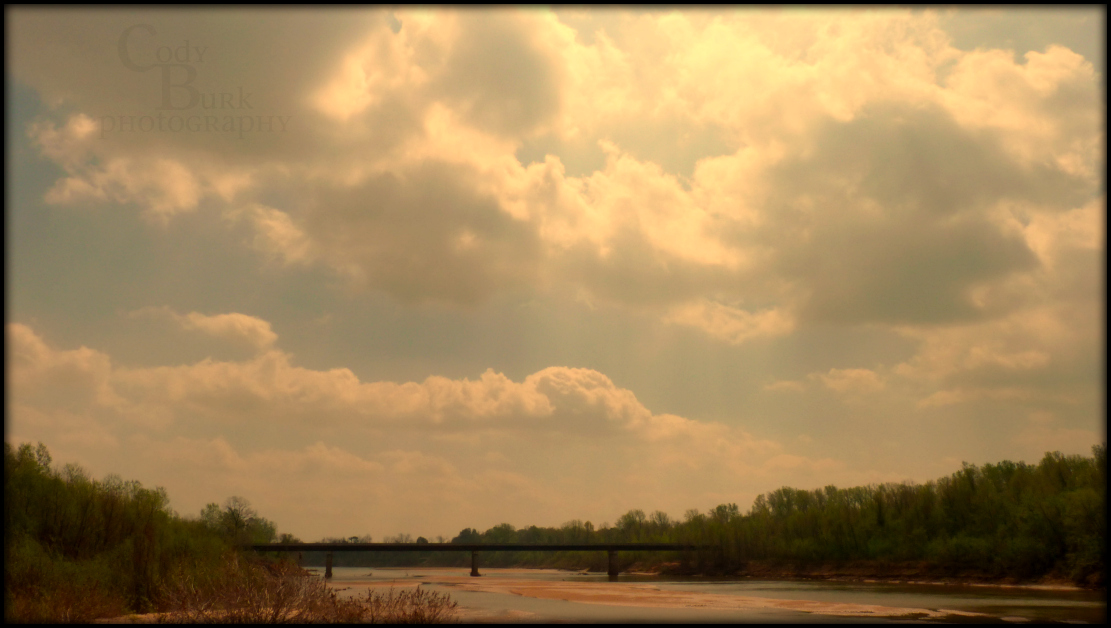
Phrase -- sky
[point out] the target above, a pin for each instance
(413, 271)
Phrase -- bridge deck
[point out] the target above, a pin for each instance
(471, 547)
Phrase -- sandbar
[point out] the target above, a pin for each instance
(644, 595)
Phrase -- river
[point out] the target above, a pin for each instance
(548, 595)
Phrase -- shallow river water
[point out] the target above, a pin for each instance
(548, 595)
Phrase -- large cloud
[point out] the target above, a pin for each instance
(869, 140)
(427, 234)
(554, 400)
(251, 425)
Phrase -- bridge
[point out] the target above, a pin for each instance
(611, 549)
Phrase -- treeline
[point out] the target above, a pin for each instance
(1006, 521)
(78, 548)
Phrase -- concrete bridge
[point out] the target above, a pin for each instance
(611, 549)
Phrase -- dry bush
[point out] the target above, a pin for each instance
(412, 606)
(254, 594)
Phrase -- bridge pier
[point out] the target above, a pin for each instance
(612, 555)
(328, 565)
(474, 565)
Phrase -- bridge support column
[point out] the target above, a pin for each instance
(328, 565)
(474, 565)
(612, 563)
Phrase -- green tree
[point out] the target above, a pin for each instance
(238, 522)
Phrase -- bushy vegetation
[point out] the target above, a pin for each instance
(250, 592)
(77, 549)
(1007, 521)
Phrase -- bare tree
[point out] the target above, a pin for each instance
(239, 521)
(238, 516)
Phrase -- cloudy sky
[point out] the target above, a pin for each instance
(411, 271)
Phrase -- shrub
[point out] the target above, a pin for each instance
(45, 589)
(279, 593)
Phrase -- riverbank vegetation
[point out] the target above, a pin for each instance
(79, 549)
(1008, 521)
(247, 592)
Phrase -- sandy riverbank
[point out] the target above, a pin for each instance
(637, 596)
(640, 595)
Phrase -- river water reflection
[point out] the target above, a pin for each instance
(546, 595)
